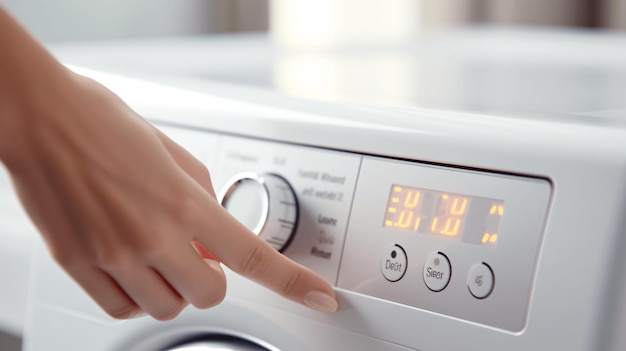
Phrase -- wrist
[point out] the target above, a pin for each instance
(26, 110)
(30, 79)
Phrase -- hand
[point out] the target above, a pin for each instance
(126, 211)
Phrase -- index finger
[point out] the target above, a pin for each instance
(248, 255)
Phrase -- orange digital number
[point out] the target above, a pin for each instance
(403, 208)
(450, 215)
(492, 223)
(405, 219)
(411, 199)
(449, 226)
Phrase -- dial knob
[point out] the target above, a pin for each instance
(265, 204)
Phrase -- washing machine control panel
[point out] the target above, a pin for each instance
(318, 183)
(461, 243)
(457, 242)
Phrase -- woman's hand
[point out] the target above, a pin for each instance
(127, 212)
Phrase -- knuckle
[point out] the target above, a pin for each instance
(168, 204)
(292, 284)
(181, 208)
(114, 260)
(158, 251)
(201, 170)
(255, 264)
(181, 202)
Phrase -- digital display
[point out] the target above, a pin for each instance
(469, 218)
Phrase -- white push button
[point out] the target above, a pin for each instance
(480, 280)
(437, 271)
(393, 263)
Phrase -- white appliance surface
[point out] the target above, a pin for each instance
(464, 193)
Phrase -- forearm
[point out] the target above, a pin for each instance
(28, 73)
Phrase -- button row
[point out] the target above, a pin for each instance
(437, 271)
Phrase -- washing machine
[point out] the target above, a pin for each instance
(468, 192)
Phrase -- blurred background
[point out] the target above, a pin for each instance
(71, 20)
(301, 24)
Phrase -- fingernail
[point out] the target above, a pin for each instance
(320, 301)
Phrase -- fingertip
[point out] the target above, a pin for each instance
(321, 301)
(171, 315)
(137, 314)
(130, 312)
(218, 291)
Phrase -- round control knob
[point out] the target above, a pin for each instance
(265, 204)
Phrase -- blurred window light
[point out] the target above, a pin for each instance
(326, 24)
